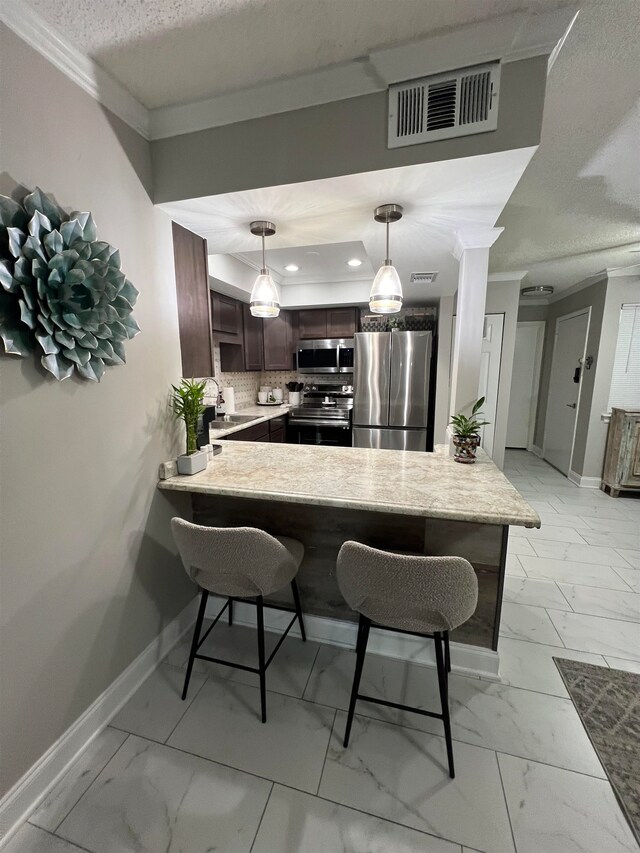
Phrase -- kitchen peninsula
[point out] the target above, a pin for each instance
(422, 503)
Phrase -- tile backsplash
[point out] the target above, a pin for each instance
(246, 384)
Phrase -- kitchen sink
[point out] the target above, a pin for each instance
(222, 421)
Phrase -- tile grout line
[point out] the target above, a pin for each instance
(311, 668)
(231, 680)
(188, 705)
(506, 802)
(262, 816)
(113, 755)
(60, 837)
(326, 752)
(623, 580)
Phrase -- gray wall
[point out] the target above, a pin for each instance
(340, 138)
(89, 576)
(532, 313)
(620, 290)
(594, 297)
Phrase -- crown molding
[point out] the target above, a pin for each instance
(520, 35)
(475, 238)
(623, 272)
(333, 83)
(55, 48)
(579, 285)
(508, 276)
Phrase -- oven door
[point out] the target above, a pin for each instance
(316, 431)
(317, 357)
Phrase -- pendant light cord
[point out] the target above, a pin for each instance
(264, 266)
(387, 259)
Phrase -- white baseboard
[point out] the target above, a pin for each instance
(537, 451)
(465, 659)
(585, 482)
(30, 790)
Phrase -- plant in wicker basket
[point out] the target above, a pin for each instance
(62, 295)
(466, 432)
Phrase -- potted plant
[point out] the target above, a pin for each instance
(466, 436)
(187, 404)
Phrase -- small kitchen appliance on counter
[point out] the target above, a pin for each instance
(324, 416)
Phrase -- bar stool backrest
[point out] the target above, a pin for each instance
(242, 562)
(410, 593)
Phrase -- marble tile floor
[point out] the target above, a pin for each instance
(206, 775)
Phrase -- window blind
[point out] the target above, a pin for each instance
(625, 381)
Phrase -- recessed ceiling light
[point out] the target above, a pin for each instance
(354, 262)
(292, 268)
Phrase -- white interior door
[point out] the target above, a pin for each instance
(525, 379)
(489, 374)
(564, 390)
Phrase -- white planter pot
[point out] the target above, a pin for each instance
(192, 464)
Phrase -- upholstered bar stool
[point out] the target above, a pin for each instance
(422, 596)
(239, 563)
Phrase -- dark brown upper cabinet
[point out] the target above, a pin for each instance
(226, 318)
(194, 310)
(342, 322)
(278, 343)
(253, 340)
(327, 323)
(312, 323)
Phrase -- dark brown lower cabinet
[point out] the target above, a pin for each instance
(278, 430)
(273, 430)
(259, 432)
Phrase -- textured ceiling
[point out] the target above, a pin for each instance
(576, 210)
(174, 51)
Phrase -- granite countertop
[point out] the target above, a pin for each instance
(430, 485)
(259, 414)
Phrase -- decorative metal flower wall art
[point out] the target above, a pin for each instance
(62, 293)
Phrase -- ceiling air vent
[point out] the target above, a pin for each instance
(445, 105)
(423, 277)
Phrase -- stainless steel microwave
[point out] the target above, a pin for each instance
(328, 355)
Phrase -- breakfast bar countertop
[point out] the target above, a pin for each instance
(430, 485)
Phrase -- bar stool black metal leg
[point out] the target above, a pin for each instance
(296, 598)
(361, 648)
(263, 685)
(447, 653)
(231, 611)
(194, 642)
(444, 700)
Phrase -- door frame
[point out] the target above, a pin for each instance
(541, 326)
(578, 313)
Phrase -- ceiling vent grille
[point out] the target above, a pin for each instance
(443, 106)
(423, 277)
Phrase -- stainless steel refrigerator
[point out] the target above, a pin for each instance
(391, 403)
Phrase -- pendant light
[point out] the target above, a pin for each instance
(264, 295)
(386, 290)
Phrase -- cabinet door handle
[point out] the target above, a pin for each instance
(571, 405)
